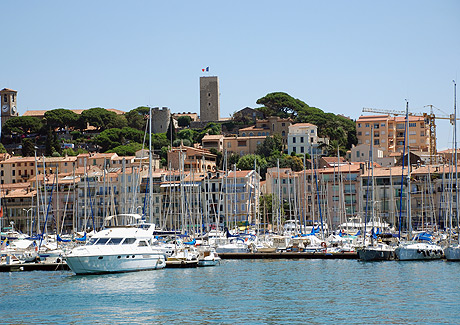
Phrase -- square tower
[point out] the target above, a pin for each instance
(209, 99)
(9, 105)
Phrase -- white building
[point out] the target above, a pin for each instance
(303, 138)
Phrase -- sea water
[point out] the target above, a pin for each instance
(243, 291)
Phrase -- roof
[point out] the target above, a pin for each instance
(213, 137)
(301, 124)
(254, 128)
(8, 90)
(239, 173)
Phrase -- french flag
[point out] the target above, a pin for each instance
(206, 69)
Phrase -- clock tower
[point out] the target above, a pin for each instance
(8, 104)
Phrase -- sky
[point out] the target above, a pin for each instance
(339, 56)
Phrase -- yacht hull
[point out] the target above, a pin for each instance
(371, 254)
(419, 251)
(452, 253)
(115, 263)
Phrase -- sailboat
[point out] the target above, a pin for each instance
(452, 251)
(420, 247)
(375, 250)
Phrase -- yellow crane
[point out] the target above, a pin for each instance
(429, 120)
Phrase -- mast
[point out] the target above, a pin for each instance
(150, 168)
(408, 202)
(456, 162)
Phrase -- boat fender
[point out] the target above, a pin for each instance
(323, 245)
(419, 251)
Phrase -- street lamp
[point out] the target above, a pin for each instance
(27, 217)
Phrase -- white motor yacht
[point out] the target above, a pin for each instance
(118, 249)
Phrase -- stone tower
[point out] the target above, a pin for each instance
(209, 99)
(161, 116)
(9, 105)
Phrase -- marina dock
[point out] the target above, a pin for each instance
(33, 267)
(289, 255)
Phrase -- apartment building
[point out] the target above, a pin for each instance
(189, 158)
(387, 132)
(242, 145)
(268, 127)
(303, 138)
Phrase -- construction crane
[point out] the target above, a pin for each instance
(429, 120)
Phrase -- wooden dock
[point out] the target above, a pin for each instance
(290, 255)
(33, 267)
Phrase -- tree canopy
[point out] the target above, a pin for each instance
(60, 117)
(137, 118)
(335, 127)
(22, 125)
(100, 118)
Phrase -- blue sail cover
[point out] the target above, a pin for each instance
(373, 233)
(62, 240)
(358, 233)
(82, 238)
(193, 242)
(425, 236)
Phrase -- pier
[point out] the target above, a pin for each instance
(289, 255)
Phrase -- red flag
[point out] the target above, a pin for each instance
(1, 212)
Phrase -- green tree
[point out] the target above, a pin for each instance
(97, 117)
(127, 149)
(119, 121)
(246, 162)
(61, 117)
(293, 162)
(22, 125)
(272, 146)
(186, 134)
(2, 148)
(266, 205)
(185, 142)
(184, 121)
(137, 118)
(28, 147)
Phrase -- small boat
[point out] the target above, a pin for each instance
(182, 258)
(118, 249)
(208, 257)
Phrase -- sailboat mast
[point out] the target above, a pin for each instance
(408, 202)
(456, 162)
(150, 168)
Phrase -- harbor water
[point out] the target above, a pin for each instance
(240, 291)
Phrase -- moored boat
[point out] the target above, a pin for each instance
(120, 249)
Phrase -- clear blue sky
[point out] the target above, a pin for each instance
(339, 56)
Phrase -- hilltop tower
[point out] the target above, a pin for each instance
(209, 99)
(161, 116)
(9, 104)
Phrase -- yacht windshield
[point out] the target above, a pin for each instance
(129, 241)
(102, 241)
(114, 241)
(92, 241)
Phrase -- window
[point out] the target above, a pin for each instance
(367, 133)
(229, 145)
(376, 142)
(294, 149)
(242, 143)
(382, 132)
(301, 149)
(359, 125)
(14, 172)
(283, 124)
(422, 134)
(412, 132)
(360, 133)
(367, 125)
(301, 139)
(5, 98)
(129, 241)
(293, 139)
(242, 196)
(412, 125)
(382, 125)
(357, 154)
(400, 126)
(243, 134)
(312, 131)
(376, 125)
(283, 133)
(376, 134)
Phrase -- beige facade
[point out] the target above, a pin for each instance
(269, 127)
(387, 132)
(213, 141)
(242, 145)
(198, 160)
